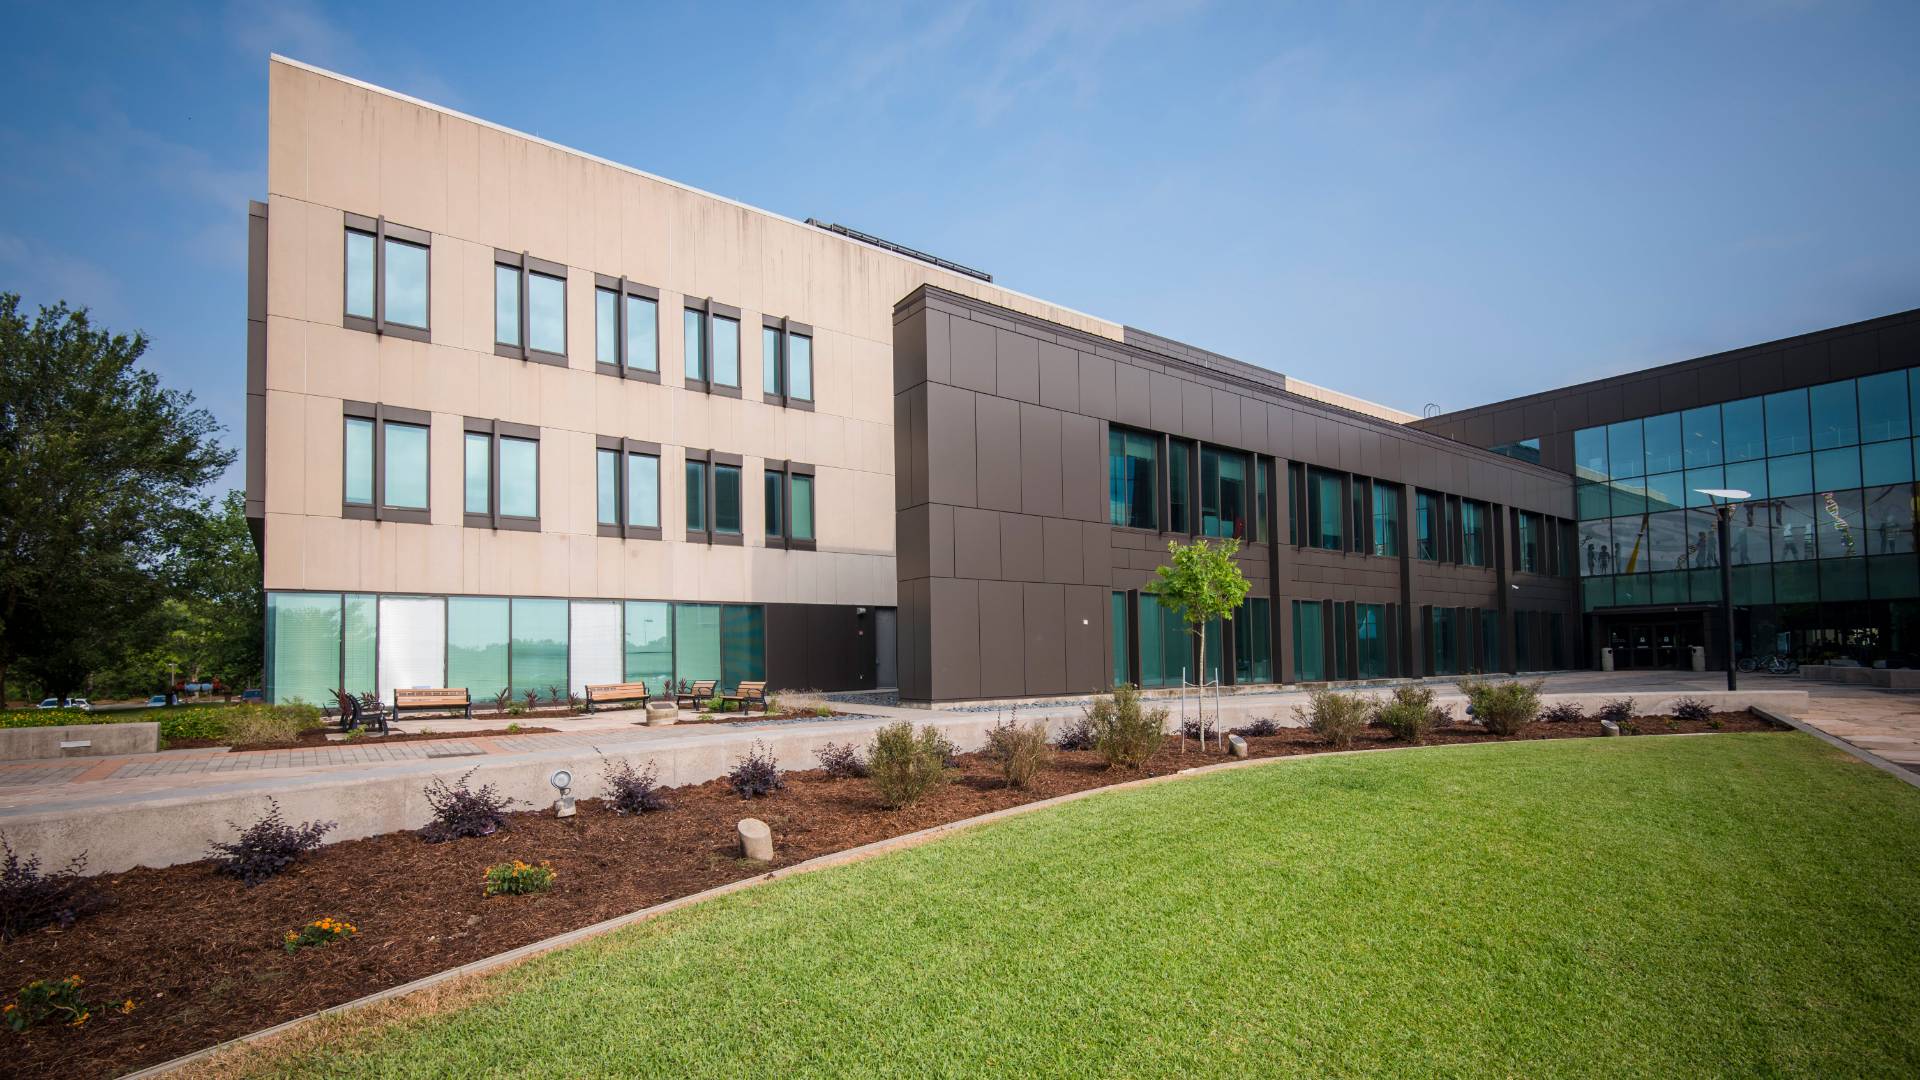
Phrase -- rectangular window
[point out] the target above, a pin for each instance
(627, 488)
(1122, 637)
(1253, 642)
(786, 362)
(776, 499)
(1531, 529)
(477, 643)
(386, 277)
(1370, 641)
(1293, 503)
(1427, 514)
(1325, 510)
(789, 498)
(502, 489)
(529, 308)
(1386, 519)
(1260, 499)
(726, 351)
(1362, 512)
(596, 651)
(1787, 431)
(802, 507)
(359, 461)
(1166, 648)
(800, 367)
(1223, 493)
(1663, 442)
(1590, 453)
(696, 642)
(1309, 642)
(538, 651)
(1473, 533)
(1179, 487)
(303, 647)
(359, 643)
(743, 644)
(770, 361)
(726, 499)
(1835, 415)
(1701, 430)
(696, 496)
(405, 466)
(1130, 478)
(649, 644)
(694, 344)
(626, 328)
(413, 643)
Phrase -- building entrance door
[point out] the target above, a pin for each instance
(1646, 644)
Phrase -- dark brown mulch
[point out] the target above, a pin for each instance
(201, 954)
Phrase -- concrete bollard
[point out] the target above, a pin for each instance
(661, 713)
(1237, 746)
(1609, 727)
(756, 840)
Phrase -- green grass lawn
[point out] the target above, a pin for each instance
(1725, 905)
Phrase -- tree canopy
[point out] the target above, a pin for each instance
(100, 473)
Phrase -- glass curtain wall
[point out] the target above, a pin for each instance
(1370, 637)
(303, 647)
(1122, 628)
(538, 651)
(413, 643)
(696, 642)
(1166, 648)
(1253, 641)
(1309, 642)
(649, 644)
(477, 644)
(1131, 478)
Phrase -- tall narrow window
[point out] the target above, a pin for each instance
(1179, 486)
(386, 277)
(776, 500)
(385, 462)
(802, 509)
(726, 351)
(1293, 503)
(529, 308)
(1261, 466)
(1530, 534)
(1325, 510)
(799, 367)
(1386, 519)
(626, 316)
(696, 496)
(1473, 533)
(1426, 525)
(502, 489)
(1130, 482)
(770, 381)
(789, 499)
(627, 483)
(1309, 642)
(694, 344)
(1223, 492)
(726, 499)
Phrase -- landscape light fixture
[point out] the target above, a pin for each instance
(562, 782)
(1723, 500)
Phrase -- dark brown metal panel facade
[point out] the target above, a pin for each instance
(829, 646)
(1012, 594)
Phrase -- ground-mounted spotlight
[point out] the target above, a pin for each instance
(562, 782)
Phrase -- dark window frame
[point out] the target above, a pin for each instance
(622, 448)
(711, 535)
(786, 471)
(622, 367)
(786, 330)
(495, 430)
(708, 309)
(528, 265)
(381, 416)
(380, 229)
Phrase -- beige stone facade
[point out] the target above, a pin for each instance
(338, 147)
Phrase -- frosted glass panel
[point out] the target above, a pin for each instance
(413, 643)
(597, 655)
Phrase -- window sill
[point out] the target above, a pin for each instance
(512, 524)
(633, 374)
(632, 532)
(394, 330)
(728, 539)
(532, 356)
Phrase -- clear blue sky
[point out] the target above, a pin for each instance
(1453, 204)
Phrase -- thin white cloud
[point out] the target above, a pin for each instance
(43, 275)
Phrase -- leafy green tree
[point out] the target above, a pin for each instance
(1202, 582)
(99, 470)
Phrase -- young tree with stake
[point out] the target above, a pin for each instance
(1202, 582)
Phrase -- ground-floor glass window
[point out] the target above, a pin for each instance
(597, 653)
(1370, 640)
(743, 645)
(1122, 632)
(1253, 641)
(539, 649)
(649, 644)
(413, 643)
(359, 640)
(1166, 649)
(477, 643)
(1309, 642)
(696, 643)
(303, 647)
(1441, 633)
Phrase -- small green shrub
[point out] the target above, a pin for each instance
(1334, 716)
(1503, 708)
(1018, 751)
(1408, 715)
(1126, 733)
(905, 765)
(1619, 710)
(714, 704)
(1565, 712)
(1259, 727)
(1692, 708)
(518, 878)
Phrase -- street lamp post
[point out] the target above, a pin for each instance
(1723, 500)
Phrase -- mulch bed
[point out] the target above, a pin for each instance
(201, 954)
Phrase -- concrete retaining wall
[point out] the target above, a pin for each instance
(1885, 678)
(119, 832)
(92, 740)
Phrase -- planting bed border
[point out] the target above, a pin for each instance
(861, 853)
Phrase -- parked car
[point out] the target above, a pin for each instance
(52, 703)
(254, 696)
(157, 701)
(80, 703)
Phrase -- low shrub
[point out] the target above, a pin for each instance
(1018, 750)
(1442, 716)
(1408, 714)
(533, 699)
(904, 765)
(267, 846)
(459, 811)
(1503, 708)
(518, 878)
(52, 1000)
(1261, 726)
(1079, 733)
(714, 704)
(1563, 712)
(1619, 710)
(1334, 716)
(31, 899)
(1692, 708)
(631, 790)
(320, 932)
(756, 775)
(1126, 733)
(803, 702)
(269, 725)
(841, 761)
(503, 700)
(178, 723)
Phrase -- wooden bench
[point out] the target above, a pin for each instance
(701, 693)
(437, 699)
(606, 693)
(746, 694)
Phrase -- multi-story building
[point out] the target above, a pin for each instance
(523, 419)
(1817, 429)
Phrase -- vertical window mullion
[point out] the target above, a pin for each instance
(493, 473)
(379, 461)
(706, 380)
(526, 317)
(380, 274)
(620, 342)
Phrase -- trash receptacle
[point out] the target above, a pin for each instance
(1606, 659)
(1699, 657)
